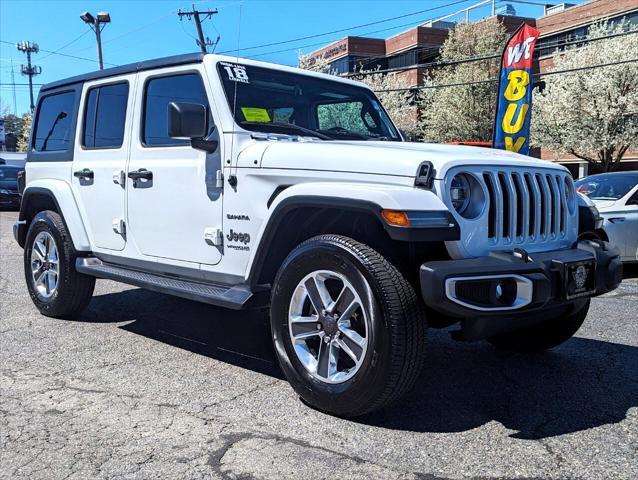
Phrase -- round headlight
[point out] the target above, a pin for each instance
(460, 192)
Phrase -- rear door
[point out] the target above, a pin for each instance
(100, 157)
(174, 206)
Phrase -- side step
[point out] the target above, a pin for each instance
(235, 297)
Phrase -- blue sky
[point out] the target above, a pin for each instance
(149, 28)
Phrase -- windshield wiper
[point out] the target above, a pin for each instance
(286, 128)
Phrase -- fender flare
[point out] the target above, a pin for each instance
(354, 198)
(60, 193)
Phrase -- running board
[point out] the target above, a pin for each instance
(235, 297)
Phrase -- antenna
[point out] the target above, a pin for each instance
(232, 179)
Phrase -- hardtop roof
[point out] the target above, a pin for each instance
(129, 68)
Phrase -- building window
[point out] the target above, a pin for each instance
(160, 91)
(105, 116)
(53, 128)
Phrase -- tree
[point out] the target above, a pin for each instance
(400, 103)
(465, 112)
(23, 137)
(591, 114)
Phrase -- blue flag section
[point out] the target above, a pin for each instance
(513, 110)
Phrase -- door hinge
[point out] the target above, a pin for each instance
(214, 236)
(219, 179)
(119, 226)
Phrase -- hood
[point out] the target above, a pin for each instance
(602, 205)
(388, 158)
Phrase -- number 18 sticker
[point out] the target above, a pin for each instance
(236, 73)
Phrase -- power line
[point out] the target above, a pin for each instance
(65, 45)
(494, 80)
(445, 63)
(65, 55)
(341, 30)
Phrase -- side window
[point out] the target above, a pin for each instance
(159, 92)
(105, 116)
(53, 125)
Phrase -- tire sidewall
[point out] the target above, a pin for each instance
(368, 381)
(43, 223)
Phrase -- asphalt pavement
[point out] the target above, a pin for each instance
(144, 385)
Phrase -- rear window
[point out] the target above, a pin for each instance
(105, 116)
(8, 174)
(53, 131)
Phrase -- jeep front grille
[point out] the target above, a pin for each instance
(534, 209)
(526, 205)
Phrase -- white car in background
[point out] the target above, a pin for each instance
(616, 197)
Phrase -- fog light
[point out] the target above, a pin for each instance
(505, 291)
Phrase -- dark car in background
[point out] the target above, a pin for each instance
(9, 193)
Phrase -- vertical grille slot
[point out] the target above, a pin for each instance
(491, 214)
(563, 204)
(534, 206)
(522, 206)
(554, 204)
(506, 204)
(544, 203)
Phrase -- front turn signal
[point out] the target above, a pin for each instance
(396, 218)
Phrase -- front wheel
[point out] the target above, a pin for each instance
(548, 334)
(348, 329)
(56, 288)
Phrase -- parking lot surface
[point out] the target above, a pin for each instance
(144, 385)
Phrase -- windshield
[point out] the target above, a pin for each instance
(267, 100)
(610, 186)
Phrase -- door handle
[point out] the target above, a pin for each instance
(617, 219)
(141, 174)
(84, 173)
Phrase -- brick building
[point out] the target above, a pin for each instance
(561, 23)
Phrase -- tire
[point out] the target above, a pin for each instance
(61, 295)
(387, 316)
(546, 335)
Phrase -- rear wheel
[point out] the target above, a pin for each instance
(56, 288)
(348, 329)
(546, 335)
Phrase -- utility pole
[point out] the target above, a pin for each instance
(94, 23)
(28, 69)
(195, 14)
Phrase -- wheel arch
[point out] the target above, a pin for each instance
(57, 196)
(297, 216)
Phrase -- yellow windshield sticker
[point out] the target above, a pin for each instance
(256, 114)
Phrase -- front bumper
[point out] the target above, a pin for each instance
(467, 289)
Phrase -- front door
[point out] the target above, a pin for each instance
(100, 157)
(174, 206)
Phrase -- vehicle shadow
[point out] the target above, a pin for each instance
(584, 383)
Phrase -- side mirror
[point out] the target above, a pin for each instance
(188, 120)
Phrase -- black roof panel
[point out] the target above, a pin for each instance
(130, 68)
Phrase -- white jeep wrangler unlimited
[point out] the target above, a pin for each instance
(239, 183)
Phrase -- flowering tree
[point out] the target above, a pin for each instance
(591, 114)
(464, 112)
(25, 130)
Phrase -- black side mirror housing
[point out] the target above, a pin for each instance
(188, 120)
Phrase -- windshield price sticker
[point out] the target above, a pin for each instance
(236, 73)
(252, 114)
